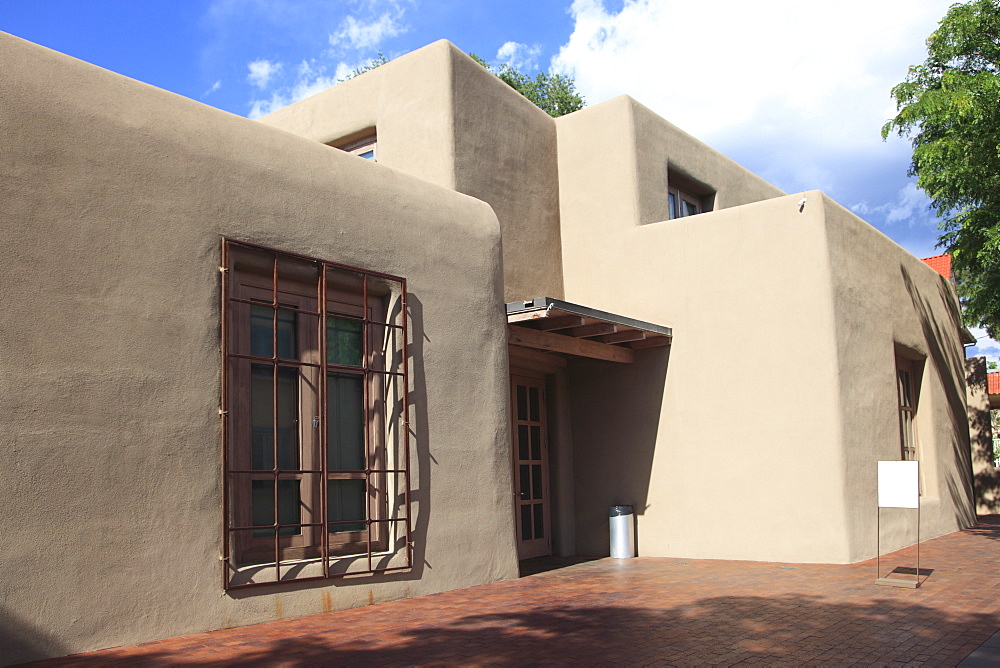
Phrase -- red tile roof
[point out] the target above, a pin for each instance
(993, 382)
(939, 263)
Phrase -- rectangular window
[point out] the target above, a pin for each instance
(906, 393)
(315, 404)
(685, 196)
(363, 147)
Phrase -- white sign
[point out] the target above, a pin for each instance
(899, 484)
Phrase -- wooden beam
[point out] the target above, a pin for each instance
(655, 341)
(624, 337)
(534, 356)
(596, 329)
(562, 322)
(557, 343)
(526, 316)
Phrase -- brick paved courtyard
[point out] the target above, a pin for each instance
(644, 611)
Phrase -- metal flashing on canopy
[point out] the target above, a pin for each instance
(555, 326)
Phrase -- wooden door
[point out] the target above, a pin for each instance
(531, 467)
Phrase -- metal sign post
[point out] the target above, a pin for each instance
(898, 487)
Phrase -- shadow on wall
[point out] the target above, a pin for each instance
(20, 641)
(791, 629)
(615, 413)
(986, 476)
(950, 368)
(420, 497)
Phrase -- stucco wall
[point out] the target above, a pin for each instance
(442, 117)
(785, 318)
(637, 148)
(728, 442)
(985, 474)
(113, 201)
(889, 303)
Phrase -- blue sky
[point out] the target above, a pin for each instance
(795, 91)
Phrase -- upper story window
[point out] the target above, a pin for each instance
(315, 445)
(364, 146)
(687, 197)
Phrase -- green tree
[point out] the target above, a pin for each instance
(949, 107)
(554, 94)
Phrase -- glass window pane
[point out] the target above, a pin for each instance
(261, 328)
(288, 418)
(536, 442)
(522, 441)
(539, 521)
(345, 427)
(346, 501)
(261, 417)
(344, 344)
(525, 522)
(261, 323)
(536, 481)
(522, 402)
(262, 493)
(690, 208)
(533, 404)
(525, 489)
(673, 206)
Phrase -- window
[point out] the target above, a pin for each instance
(685, 196)
(315, 405)
(363, 147)
(682, 204)
(906, 393)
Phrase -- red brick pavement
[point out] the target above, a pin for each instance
(643, 612)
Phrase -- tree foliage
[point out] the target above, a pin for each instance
(949, 107)
(554, 94)
(367, 67)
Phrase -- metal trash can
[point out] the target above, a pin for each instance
(622, 532)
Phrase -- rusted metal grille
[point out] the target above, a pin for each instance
(315, 437)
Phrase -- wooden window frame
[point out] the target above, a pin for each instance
(385, 466)
(906, 395)
(360, 146)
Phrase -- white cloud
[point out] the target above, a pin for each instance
(216, 86)
(261, 72)
(985, 346)
(519, 56)
(806, 80)
(360, 34)
(910, 205)
(305, 87)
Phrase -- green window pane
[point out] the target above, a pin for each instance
(345, 426)
(346, 502)
(344, 344)
(262, 494)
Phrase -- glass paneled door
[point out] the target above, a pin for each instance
(531, 467)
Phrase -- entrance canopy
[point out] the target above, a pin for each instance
(546, 329)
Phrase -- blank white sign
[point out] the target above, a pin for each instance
(899, 484)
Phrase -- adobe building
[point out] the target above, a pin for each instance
(260, 377)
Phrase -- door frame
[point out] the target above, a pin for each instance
(539, 546)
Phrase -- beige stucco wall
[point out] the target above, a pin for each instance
(755, 435)
(444, 118)
(888, 302)
(985, 474)
(113, 201)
